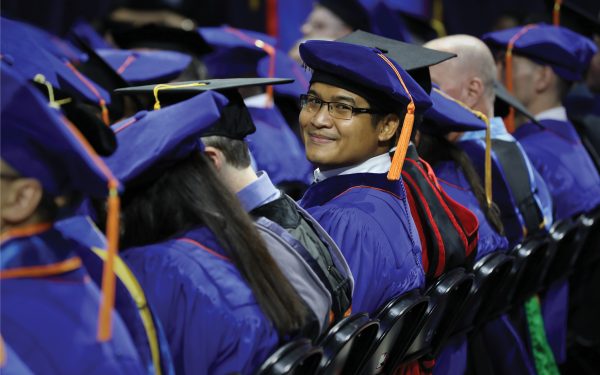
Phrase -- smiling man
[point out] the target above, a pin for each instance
(350, 117)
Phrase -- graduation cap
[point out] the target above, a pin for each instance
(99, 136)
(566, 52)
(236, 51)
(21, 50)
(285, 66)
(450, 115)
(350, 11)
(144, 67)
(152, 141)
(39, 142)
(414, 59)
(159, 37)
(368, 72)
(235, 121)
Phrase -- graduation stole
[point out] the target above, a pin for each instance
(448, 231)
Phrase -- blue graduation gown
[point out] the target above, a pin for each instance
(369, 218)
(49, 318)
(454, 182)
(13, 365)
(211, 319)
(130, 302)
(453, 357)
(276, 148)
(557, 153)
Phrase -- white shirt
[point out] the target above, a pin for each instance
(377, 164)
(556, 113)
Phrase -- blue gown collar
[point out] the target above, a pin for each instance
(42, 254)
(324, 191)
(563, 129)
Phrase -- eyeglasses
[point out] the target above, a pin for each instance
(341, 111)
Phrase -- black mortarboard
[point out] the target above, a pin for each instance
(235, 122)
(414, 59)
(577, 18)
(350, 11)
(102, 73)
(161, 37)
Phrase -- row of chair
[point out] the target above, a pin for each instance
(416, 326)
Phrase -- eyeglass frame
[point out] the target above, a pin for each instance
(354, 110)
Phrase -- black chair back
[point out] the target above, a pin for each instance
(399, 321)
(298, 357)
(446, 296)
(490, 274)
(568, 237)
(590, 252)
(532, 259)
(347, 343)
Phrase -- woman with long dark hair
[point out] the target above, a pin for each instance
(220, 296)
(454, 169)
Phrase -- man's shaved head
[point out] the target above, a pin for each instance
(470, 76)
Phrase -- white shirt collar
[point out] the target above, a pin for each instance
(256, 101)
(377, 164)
(556, 113)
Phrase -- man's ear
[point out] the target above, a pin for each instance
(475, 89)
(388, 127)
(216, 156)
(21, 201)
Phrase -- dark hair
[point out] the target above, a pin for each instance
(190, 194)
(435, 149)
(235, 151)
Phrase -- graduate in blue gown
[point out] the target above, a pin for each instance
(349, 118)
(53, 316)
(219, 295)
(243, 53)
(452, 167)
(549, 58)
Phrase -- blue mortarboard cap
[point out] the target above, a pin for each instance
(285, 67)
(420, 9)
(363, 67)
(39, 142)
(236, 51)
(30, 57)
(82, 30)
(448, 115)
(142, 67)
(367, 72)
(567, 52)
(150, 142)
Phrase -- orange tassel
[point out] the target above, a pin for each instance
(108, 275)
(105, 116)
(409, 120)
(556, 12)
(403, 142)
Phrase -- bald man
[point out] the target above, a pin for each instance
(469, 78)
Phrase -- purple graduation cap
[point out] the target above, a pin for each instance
(368, 72)
(144, 67)
(236, 51)
(152, 141)
(567, 52)
(20, 48)
(448, 115)
(39, 142)
(285, 67)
